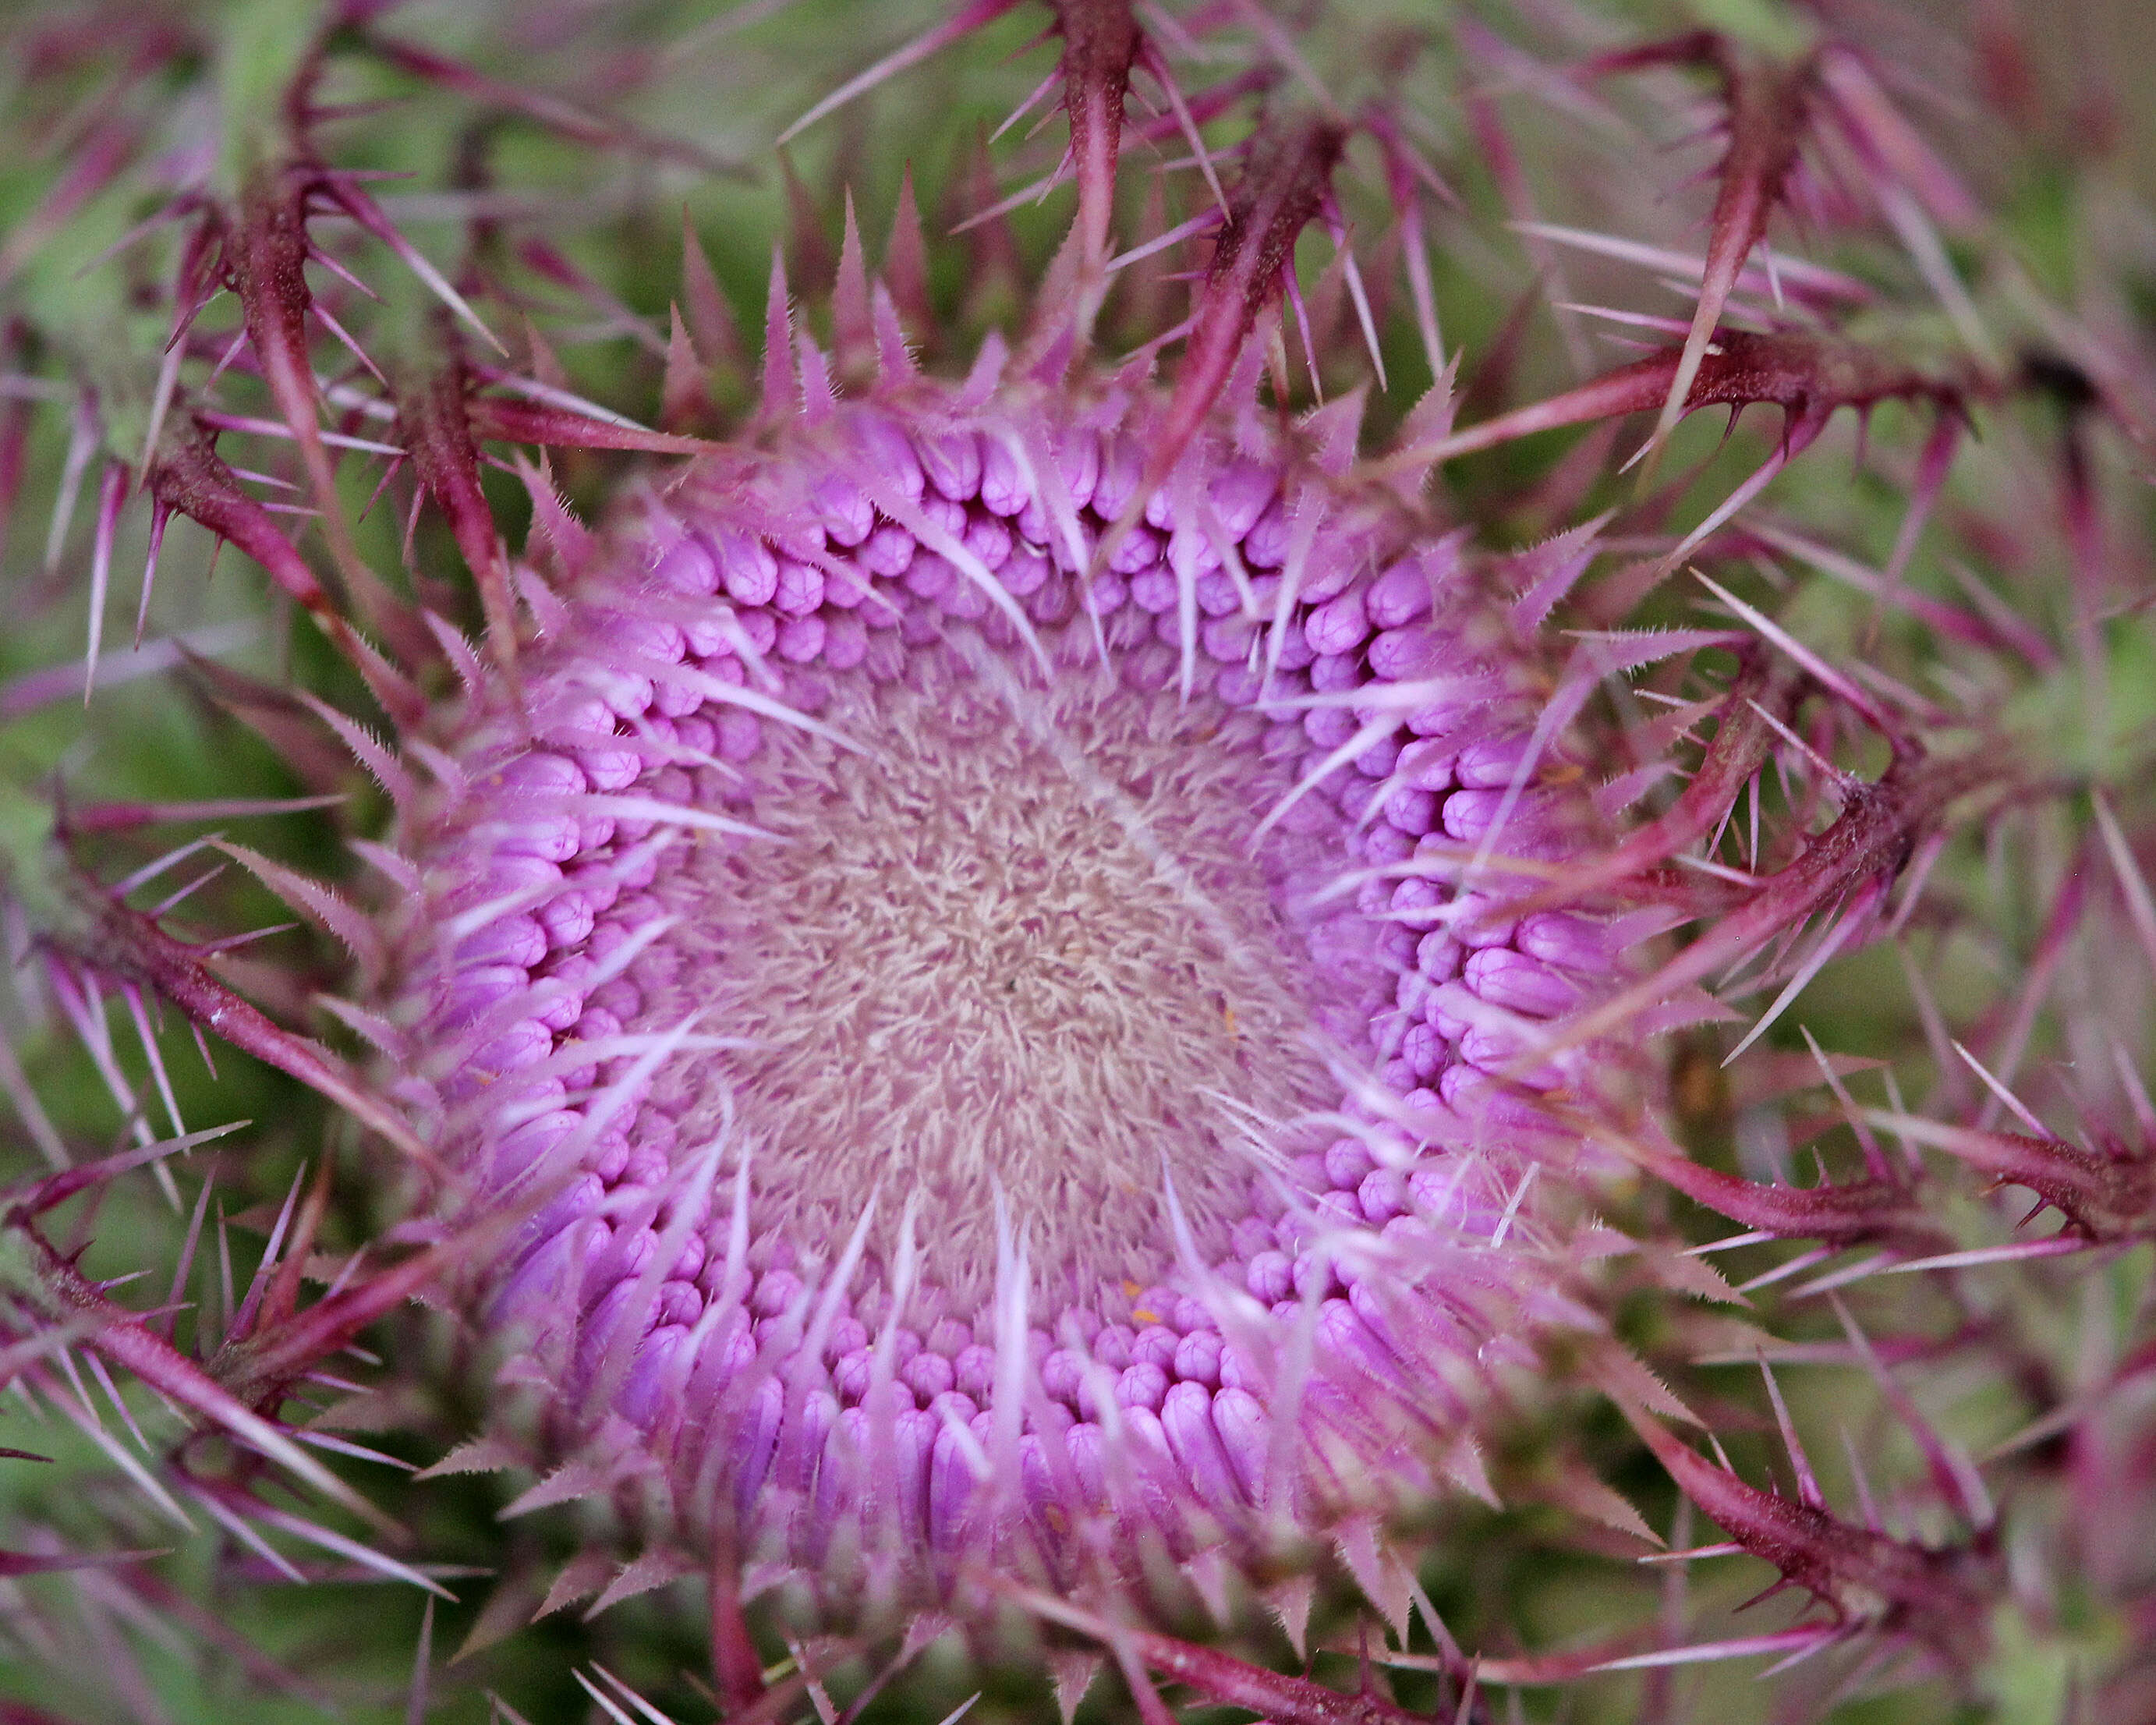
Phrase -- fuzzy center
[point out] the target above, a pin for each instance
(1015, 952)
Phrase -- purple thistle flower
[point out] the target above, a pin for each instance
(971, 1052)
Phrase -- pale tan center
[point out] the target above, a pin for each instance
(1018, 948)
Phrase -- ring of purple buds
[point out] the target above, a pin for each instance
(980, 1019)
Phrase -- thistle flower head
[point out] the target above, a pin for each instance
(998, 1039)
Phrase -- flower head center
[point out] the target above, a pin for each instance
(1016, 953)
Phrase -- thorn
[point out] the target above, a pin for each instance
(112, 496)
(1285, 182)
(2020, 1109)
(971, 18)
(435, 418)
(2132, 883)
(1100, 43)
(782, 387)
(343, 191)
(1826, 675)
(710, 318)
(905, 261)
(853, 333)
(84, 433)
(685, 393)
(415, 1703)
(267, 256)
(1807, 1485)
(1768, 105)
(1952, 1473)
